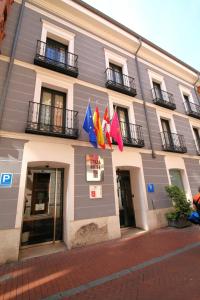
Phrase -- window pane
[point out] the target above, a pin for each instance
(45, 114)
(176, 179)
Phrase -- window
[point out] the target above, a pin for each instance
(176, 178)
(157, 90)
(197, 138)
(116, 73)
(124, 122)
(56, 51)
(52, 111)
(167, 135)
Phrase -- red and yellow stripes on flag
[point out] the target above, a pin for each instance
(106, 127)
(98, 129)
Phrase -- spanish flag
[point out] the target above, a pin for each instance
(98, 128)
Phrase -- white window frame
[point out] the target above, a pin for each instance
(195, 124)
(174, 162)
(187, 92)
(59, 33)
(154, 77)
(55, 83)
(196, 143)
(118, 101)
(169, 117)
(111, 57)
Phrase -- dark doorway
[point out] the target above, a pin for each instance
(43, 210)
(126, 209)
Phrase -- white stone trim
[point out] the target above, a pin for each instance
(111, 57)
(178, 163)
(159, 79)
(187, 92)
(119, 101)
(195, 124)
(43, 80)
(128, 160)
(64, 155)
(58, 32)
(147, 48)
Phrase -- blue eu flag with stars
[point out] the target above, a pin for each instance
(88, 126)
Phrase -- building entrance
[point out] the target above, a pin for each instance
(43, 209)
(125, 196)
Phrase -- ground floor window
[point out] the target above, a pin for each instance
(176, 178)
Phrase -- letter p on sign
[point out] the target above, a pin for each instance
(6, 179)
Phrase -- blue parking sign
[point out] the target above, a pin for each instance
(6, 179)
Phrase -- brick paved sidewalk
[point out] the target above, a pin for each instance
(41, 277)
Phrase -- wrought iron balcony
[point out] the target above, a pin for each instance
(132, 135)
(53, 121)
(192, 109)
(173, 142)
(163, 98)
(119, 82)
(54, 58)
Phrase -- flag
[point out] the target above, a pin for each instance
(106, 127)
(98, 129)
(88, 126)
(115, 131)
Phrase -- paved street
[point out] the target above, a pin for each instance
(163, 264)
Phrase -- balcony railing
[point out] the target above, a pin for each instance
(132, 134)
(192, 109)
(173, 142)
(54, 58)
(50, 120)
(119, 82)
(163, 98)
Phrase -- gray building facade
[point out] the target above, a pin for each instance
(54, 60)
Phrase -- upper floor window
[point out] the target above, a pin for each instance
(117, 74)
(50, 115)
(55, 50)
(160, 95)
(176, 178)
(132, 134)
(171, 141)
(197, 138)
(192, 108)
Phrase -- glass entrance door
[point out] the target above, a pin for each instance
(43, 210)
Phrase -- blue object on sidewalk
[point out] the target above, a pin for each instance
(194, 217)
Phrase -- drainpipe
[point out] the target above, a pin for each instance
(143, 98)
(11, 63)
(195, 87)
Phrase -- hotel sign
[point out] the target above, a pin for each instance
(94, 167)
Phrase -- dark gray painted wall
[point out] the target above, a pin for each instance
(141, 120)
(20, 92)
(91, 60)
(155, 172)
(85, 208)
(172, 86)
(193, 172)
(11, 151)
(154, 127)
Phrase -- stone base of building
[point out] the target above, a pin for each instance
(9, 245)
(157, 219)
(86, 232)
